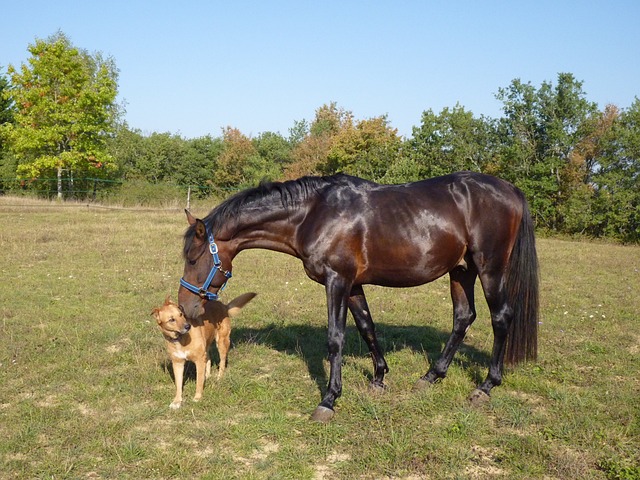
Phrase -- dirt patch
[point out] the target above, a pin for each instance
(484, 464)
(325, 470)
(260, 454)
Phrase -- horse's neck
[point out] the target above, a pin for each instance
(277, 233)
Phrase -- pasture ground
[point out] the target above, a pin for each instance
(85, 385)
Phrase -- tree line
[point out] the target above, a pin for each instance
(578, 165)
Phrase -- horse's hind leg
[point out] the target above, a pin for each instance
(362, 315)
(501, 318)
(464, 313)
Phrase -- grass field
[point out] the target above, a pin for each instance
(85, 388)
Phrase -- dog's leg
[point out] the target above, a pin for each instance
(223, 345)
(178, 372)
(208, 369)
(200, 376)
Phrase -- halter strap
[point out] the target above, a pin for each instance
(203, 292)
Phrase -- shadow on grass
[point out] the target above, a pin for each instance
(190, 372)
(310, 342)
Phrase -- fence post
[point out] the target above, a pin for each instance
(189, 198)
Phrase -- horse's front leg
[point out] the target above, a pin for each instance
(337, 291)
(362, 315)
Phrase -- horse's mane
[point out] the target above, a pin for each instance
(278, 195)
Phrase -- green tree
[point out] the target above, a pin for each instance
(616, 179)
(273, 148)
(450, 141)
(200, 163)
(537, 135)
(310, 155)
(6, 102)
(329, 120)
(274, 154)
(164, 154)
(366, 148)
(7, 160)
(65, 111)
(576, 207)
(127, 147)
(238, 156)
(298, 132)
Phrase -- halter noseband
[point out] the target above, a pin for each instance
(203, 292)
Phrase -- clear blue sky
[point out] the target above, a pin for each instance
(194, 67)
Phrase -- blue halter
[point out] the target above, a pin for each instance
(204, 292)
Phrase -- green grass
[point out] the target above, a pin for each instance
(85, 389)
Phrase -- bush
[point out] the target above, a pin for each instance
(140, 193)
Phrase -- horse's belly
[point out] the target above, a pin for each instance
(398, 277)
(411, 270)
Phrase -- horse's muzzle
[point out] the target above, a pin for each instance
(192, 305)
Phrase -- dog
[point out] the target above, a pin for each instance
(191, 339)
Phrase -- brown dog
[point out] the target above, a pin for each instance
(191, 339)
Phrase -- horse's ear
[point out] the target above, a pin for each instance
(201, 230)
(190, 218)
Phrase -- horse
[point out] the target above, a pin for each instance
(349, 232)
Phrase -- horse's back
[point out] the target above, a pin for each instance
(484, 209)
(463, 197)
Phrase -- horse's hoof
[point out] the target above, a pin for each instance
(421, 385)
(478, 397)
(322, 414)
(377, 388)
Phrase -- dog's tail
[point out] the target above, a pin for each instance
(237, 303)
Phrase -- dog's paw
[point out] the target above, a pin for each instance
(175, 405)
(197, 399)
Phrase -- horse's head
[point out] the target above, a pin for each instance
(207, 267)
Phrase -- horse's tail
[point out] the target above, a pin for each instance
(522, 289)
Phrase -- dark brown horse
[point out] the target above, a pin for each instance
(349, 232)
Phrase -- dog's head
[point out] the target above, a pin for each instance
(171, 320)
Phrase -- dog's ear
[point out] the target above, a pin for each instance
(156, 313)
(167, 300)
(237, 303)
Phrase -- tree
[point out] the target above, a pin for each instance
(65, 111)
(309, 156)
(451, 141)
(164, 152)
(6, 102)
(366, 149)
(538, 133)
(7, 161)
(237, 155)
(577, 208)
(200, 164)
(128, 148)
(298, 132)
(616, 179)
(274, 154)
